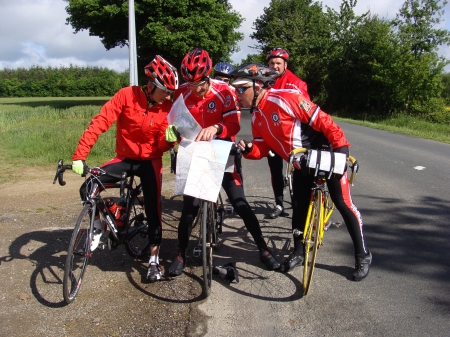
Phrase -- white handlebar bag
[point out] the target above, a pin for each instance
(324, 164)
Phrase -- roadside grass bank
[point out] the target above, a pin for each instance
(37, 132)
(407, 125)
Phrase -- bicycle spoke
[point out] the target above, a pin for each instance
(78, 255)
(312, 241)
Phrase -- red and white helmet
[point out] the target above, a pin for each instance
(162, 74)
(196, 65)
(278, 52)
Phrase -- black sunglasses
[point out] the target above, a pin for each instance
(241, 90)
(223, 79)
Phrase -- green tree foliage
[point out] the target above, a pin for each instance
(61, 82)
(169, 28)
(301, 28)
(362, 64)
(422, 67)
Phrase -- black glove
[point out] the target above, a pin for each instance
(227, 272)
(247, 149)
(342, 149)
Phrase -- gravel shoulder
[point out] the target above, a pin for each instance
(36, 221)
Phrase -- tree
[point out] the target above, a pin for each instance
(169, 28)
(422, 66)
(300, 27)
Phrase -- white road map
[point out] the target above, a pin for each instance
(180, 116)
(200, 165)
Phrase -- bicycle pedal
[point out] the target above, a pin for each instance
(229, 209)
(337, 224)
(197, 251)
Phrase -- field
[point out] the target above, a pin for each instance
(39, 131)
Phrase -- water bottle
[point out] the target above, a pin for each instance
(116, 211)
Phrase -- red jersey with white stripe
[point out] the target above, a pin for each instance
(289, 81)
(285, 119)
(218, 106)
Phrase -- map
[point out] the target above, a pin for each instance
(200, 168)
(180, 116)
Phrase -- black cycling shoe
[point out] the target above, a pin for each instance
(294, 259)
(269, 260)
(276, 212)
(176, 268)
(362, 266)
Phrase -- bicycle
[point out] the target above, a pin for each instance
(210, 215)
(319, 211)
(133, 233)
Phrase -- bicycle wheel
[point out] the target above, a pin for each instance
(208, 228)
(78, 255)
(312, 241)
(137, 241)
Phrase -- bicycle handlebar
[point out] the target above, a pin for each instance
(354, 167)
(97, 171)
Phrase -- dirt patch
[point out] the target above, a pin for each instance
(36, 222)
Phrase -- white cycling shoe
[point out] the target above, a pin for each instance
(99, 229)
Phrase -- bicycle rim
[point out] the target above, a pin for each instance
(312, 242)
(77, 255)
(137, 241)
(207, 245)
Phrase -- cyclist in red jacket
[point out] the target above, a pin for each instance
(283, 120)
(141, 127)
(278, 59)
(213, 105)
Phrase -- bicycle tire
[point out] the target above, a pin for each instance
(312, 240)
(137, 242)
(78, 255)
(208, 228)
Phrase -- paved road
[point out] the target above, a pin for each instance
(403, 193)
(405, 211)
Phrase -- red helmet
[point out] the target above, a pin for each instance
(278, 52)
(196, 65)
(162, 74)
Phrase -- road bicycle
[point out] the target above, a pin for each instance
(319, 212)
(133, 232)
(210, 216)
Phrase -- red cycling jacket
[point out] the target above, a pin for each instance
(140, 129)
(289, 81)
(218, 106)
(285, 120)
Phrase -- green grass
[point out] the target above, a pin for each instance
(408, 126)
(39, 131)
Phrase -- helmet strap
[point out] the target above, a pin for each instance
(149, 95)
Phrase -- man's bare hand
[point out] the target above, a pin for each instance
(206, 134)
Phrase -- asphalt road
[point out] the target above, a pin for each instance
(403, 194)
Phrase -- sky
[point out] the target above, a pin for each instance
(34, 32)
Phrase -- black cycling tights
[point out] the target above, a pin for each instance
(340, 194)
(143, 169)
(276, 176)
(237, 198)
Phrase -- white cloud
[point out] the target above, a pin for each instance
(34, 33)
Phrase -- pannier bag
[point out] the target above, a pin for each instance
(324, 163)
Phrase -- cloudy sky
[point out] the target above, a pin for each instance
(33, 32)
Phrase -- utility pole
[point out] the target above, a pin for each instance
(132, 44)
